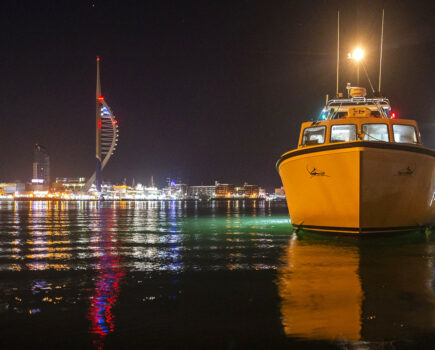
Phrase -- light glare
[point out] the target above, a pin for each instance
(357, 54)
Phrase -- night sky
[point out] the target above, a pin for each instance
(203, 91)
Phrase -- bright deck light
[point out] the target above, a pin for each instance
(357, 54)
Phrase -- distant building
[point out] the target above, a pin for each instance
(11, 187)
(201, 191)
(120, 191)
(251, 191)
(151, 192)
(74, 184)
(239, 192)
(179, 189)
(262, 193)
(280, 191)
(41, 166)
(174, 190)
(224, 190)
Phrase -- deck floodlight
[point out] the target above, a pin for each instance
(357, 54)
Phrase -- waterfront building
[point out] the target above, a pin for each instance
(239, 192)
(176, 191)
(180, 189)
(41, 166)
(151, 192)
(262, 193)
(251, 191)
(137, 192)
(280, 191)
(247, 191)
(11, 187)
(224, 190)
(73, 184)
(120, 191)
(201, 191)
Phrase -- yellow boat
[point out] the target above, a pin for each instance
(359, 169)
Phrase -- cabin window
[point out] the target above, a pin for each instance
(314, 136)
(343, 133)
(404, 133)
(375, 132)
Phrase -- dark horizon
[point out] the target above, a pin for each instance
(202, 91)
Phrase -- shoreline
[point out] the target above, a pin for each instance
(139, 200)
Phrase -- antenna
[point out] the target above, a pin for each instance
(98, 130)
(367, 75)
(380, 58)
(338, 47)
(98, 89)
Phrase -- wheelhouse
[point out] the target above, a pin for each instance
(358, 118)
(359, 129)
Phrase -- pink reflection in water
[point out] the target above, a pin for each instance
(107, 286)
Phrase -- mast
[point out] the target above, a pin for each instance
(380, 57)
(338, 48)
(98, 131)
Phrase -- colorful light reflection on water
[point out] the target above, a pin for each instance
(214, 275)
(107, 281)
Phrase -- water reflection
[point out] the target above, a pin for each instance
(339, 289)
(124, 274)
(107, 282)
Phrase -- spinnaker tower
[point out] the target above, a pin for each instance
(106, 135)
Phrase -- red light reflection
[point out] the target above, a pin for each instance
(107, 286)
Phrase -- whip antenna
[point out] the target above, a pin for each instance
(338, 47)
(380, 57)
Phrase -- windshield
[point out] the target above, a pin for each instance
(404, 133)
(314, 136)
(343, 133)
(375, 132)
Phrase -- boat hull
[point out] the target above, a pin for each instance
(360, 187)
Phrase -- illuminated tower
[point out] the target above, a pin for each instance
(41, 165)
(98, 99)
(106, 135)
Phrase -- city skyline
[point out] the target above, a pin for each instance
(201, 92)
(41, 176)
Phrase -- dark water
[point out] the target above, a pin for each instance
(225, 275)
